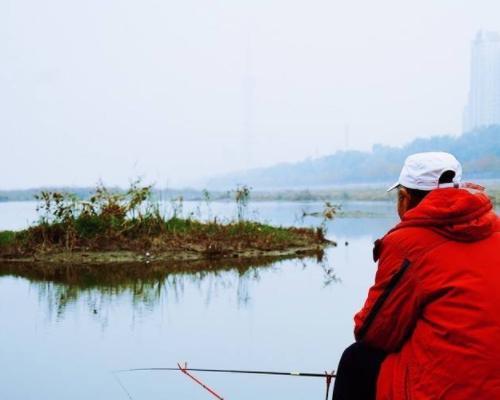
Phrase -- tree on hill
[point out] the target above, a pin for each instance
(479, 152)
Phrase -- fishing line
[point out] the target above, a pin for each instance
(115, 375)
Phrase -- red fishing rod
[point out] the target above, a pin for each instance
(187, 371)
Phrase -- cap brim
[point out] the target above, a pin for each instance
(393, 186)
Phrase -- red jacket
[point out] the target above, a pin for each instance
(435, 304)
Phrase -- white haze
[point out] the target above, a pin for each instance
(179, 90)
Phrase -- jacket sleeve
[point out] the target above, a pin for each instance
(392, 306)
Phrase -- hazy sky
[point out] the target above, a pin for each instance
(178, 90)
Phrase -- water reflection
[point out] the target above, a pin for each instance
(60, 287)
(258, 315)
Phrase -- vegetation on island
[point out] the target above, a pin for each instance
(130, 226)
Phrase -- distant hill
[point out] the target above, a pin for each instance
(479, 152)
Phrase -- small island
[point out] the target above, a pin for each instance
(128, 227)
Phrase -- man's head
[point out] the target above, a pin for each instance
(423, 172)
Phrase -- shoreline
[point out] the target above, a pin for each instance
(180, 255)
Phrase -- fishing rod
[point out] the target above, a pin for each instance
(185, 370)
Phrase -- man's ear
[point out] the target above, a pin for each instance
(404, 200)
(403, 194)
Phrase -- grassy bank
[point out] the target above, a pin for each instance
(128, 226)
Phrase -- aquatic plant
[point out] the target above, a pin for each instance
(242, 197)
(207, 199)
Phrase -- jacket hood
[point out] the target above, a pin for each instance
(458, 214)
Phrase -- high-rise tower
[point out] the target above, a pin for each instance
(483, 106)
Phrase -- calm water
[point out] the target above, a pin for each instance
(60, 340)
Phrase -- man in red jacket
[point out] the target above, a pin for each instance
(430, 327)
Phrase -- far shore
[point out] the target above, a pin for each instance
(337, 194)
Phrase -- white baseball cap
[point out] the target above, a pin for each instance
(423, 170)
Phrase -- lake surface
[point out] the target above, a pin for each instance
(61, 340)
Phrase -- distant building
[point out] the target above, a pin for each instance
(483, 106)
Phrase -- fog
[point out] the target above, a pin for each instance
(176, 91)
